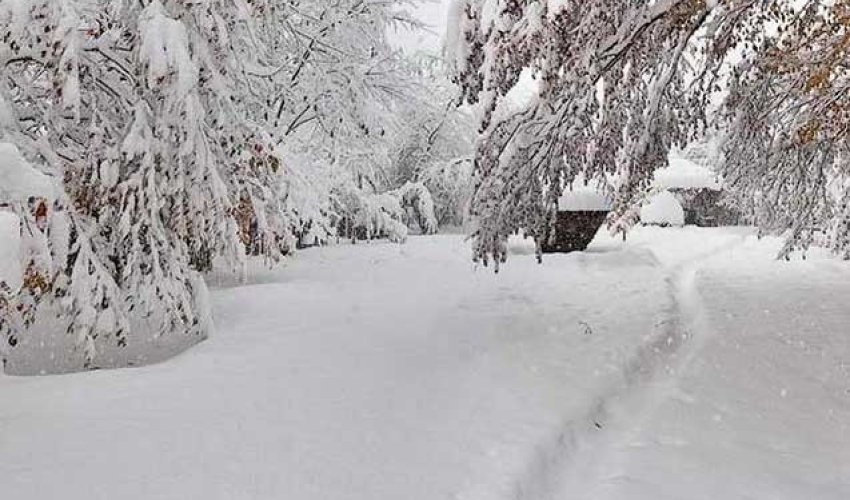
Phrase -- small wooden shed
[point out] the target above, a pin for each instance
(582, 210)
(699, 192)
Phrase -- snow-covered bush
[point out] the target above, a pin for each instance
(663, 209)
(381, 217)
(435, 144)
(417, 198)
(387, 215)
(308, 194)
(450, 184)
(143, 110)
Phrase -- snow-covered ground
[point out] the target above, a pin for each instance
(684, 364)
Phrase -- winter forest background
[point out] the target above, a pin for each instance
(368, 210)
(148, 143)
(161, 139)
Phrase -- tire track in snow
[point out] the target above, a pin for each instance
(567, 464)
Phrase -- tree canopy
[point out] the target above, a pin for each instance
(622, 82)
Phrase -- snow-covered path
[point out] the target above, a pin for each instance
(760, 407)
(384, 372)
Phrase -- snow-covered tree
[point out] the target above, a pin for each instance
(619, 82)
(347, 104)
(786, 148)
(450, 185)
(334, 83)
(145, 111)
(434, 146)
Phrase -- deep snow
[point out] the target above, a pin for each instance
(683, 363)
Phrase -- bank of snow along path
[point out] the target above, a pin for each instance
(682, 364)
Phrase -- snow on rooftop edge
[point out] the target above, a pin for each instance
(585, 196)
(685, 174)
(681, 173)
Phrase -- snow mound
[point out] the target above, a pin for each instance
(18, 179)
(663, 209)
(10, 248)
(685, 174)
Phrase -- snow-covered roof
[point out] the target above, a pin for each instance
(18, 179)
(685, 174)
(585, 197)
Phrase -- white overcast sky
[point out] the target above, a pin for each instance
(433, 13)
